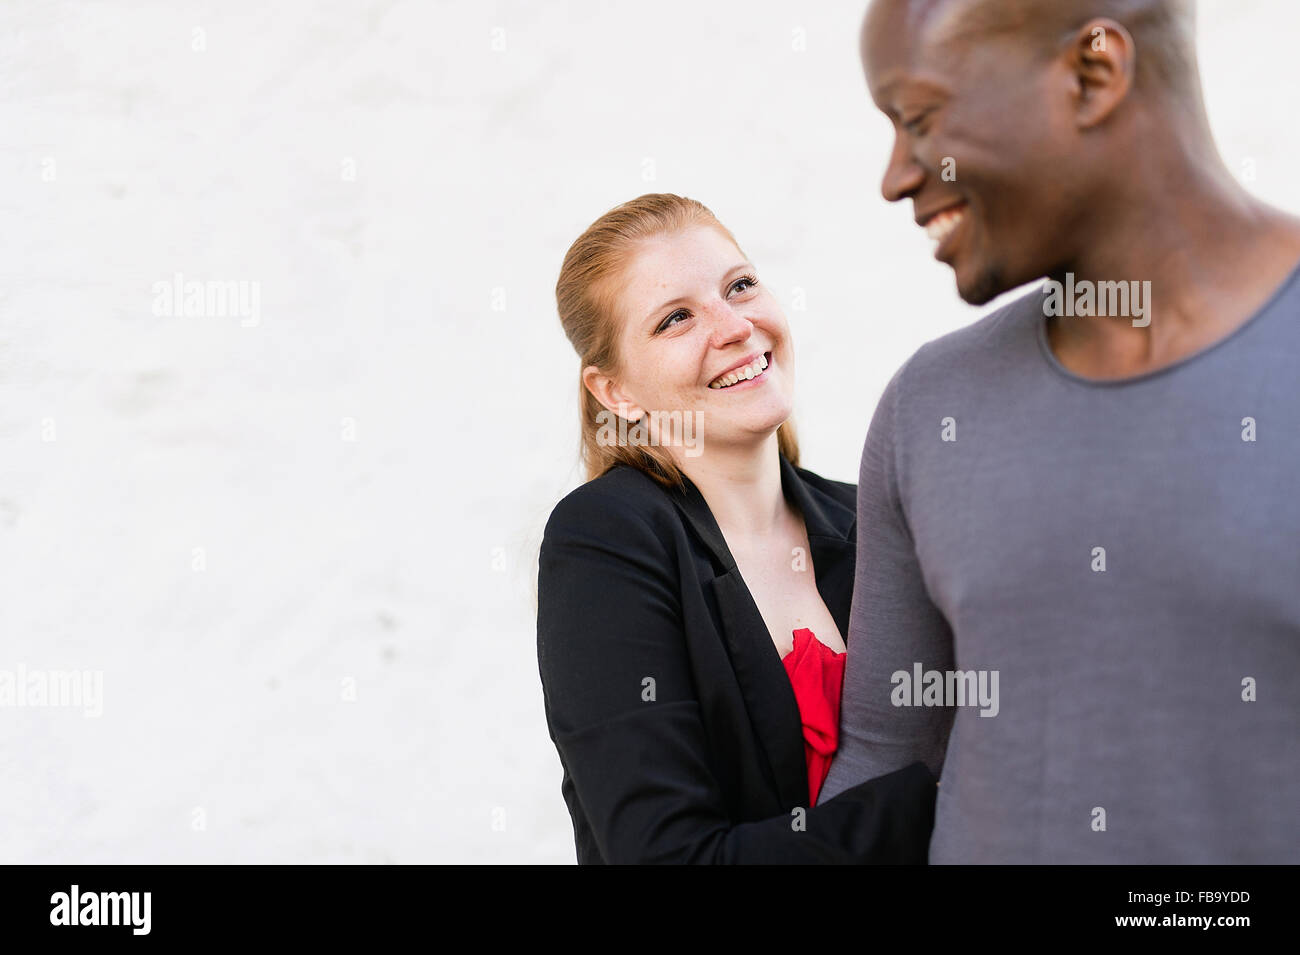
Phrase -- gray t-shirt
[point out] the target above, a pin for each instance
(1126, 556)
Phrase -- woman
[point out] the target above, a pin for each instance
(694, 593)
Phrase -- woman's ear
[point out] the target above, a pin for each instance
(1103, 61)
(610, 394)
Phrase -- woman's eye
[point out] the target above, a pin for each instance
(744, 284)
(680, 313)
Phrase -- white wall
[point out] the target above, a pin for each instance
(416, 300)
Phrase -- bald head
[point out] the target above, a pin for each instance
(1164, 31)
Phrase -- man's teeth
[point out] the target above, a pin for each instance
(942, 225)
(752, 370)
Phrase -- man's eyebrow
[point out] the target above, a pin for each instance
(741, 267)
(887, 92)
(882, 93)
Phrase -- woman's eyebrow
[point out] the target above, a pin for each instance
(677, 301)
(742, 267)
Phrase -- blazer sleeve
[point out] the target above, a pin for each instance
(622, 711)
(892, 624)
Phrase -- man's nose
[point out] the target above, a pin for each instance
(904, 175)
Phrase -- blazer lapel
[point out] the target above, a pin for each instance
(760, 673)
(769, 698)
(830, 525)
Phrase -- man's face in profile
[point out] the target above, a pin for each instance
(983, 141)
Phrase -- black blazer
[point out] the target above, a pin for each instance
(676, 724)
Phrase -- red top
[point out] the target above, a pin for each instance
(817, 676)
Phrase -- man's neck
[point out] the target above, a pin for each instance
(1213, 255)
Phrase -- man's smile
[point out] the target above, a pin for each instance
(941, 225)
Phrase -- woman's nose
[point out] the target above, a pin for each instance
(729, 325)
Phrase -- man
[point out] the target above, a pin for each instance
(1078, 577)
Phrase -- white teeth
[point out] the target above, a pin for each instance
(748, 373)
(941, 226)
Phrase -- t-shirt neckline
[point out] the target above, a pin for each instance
(1045, 346)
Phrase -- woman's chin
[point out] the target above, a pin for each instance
(756, 425)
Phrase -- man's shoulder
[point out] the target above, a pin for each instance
(1004, 334)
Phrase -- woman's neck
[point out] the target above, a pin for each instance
(742, 487)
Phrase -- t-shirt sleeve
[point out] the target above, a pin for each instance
(893, 625)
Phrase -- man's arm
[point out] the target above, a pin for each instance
(893, 625)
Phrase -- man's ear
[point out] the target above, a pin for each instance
(1103, 61)
(610, 394)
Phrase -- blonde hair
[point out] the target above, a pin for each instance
(586, 307)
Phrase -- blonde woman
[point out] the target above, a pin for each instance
(693, 594)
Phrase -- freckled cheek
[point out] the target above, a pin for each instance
(679, 388)
(787, 382)
(770, 318)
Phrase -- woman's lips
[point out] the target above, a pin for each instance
(747, 376)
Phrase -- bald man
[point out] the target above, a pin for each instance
(1078, 576)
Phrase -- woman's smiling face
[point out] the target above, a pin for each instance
(699, 334)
